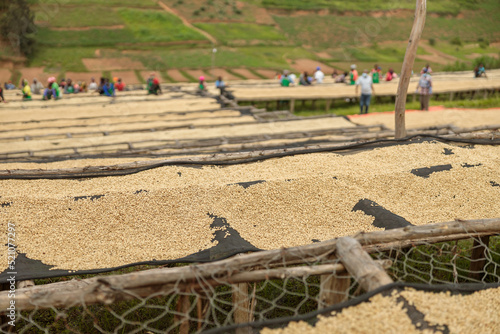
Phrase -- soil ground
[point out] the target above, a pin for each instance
(35, 72)
(198, 73)
(309, 66)
(128, 77)
(219, 72)
(270, 74)
(4, 75)
(246, 73)
(83, 76)
(177, 76)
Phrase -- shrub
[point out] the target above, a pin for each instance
(456, 41)
(488, 62)
(483, 43)
(457, 66)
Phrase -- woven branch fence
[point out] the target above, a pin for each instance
(253, 288)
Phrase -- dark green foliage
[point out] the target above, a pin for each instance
(457, 66)
(483, 43)
(17, 26)
(488, 62)
(456, 41)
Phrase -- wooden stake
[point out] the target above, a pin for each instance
(478, 257)
(359, 264)
(334, 289)
(241, 304)
(185, 305)
(404, 82)
(292, 105)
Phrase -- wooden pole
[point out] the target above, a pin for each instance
(359, 264)
(334, 289)
(478, 257)
(292, 105)
(241, 304)
(328, 104)
(404, 82)
(185, 305)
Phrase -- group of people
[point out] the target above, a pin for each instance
(424, 87)
(54, 90)
(288, 79)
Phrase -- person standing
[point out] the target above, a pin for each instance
(425, 87)
(353, 75)
(376, 74)
(366, 83)
(319, 75)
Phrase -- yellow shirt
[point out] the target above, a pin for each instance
(27, 91)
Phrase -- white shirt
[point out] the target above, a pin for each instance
(93, 86)
(366, 84)
(319, 76)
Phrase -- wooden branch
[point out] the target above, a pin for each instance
(404, 81)
(360, 265)
(110, 289)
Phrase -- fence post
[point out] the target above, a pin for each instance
(334, 289)
(478, 257)
(292, 105)
(241, 306)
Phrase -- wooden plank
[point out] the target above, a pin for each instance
(359, 264)
(404, 81)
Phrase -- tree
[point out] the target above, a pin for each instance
(17, 26)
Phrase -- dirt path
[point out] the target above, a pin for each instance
(435, 56)
(186, 22)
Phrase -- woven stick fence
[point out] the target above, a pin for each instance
(263, 285)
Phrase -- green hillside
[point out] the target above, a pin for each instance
(255, 34)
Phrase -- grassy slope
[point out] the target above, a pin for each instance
(437, 6)
(346, 39)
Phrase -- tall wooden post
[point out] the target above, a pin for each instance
(411, 52)
(478, 258)
(241, 304)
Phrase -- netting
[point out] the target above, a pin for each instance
(248, 292)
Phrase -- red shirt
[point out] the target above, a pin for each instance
(120, 86)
